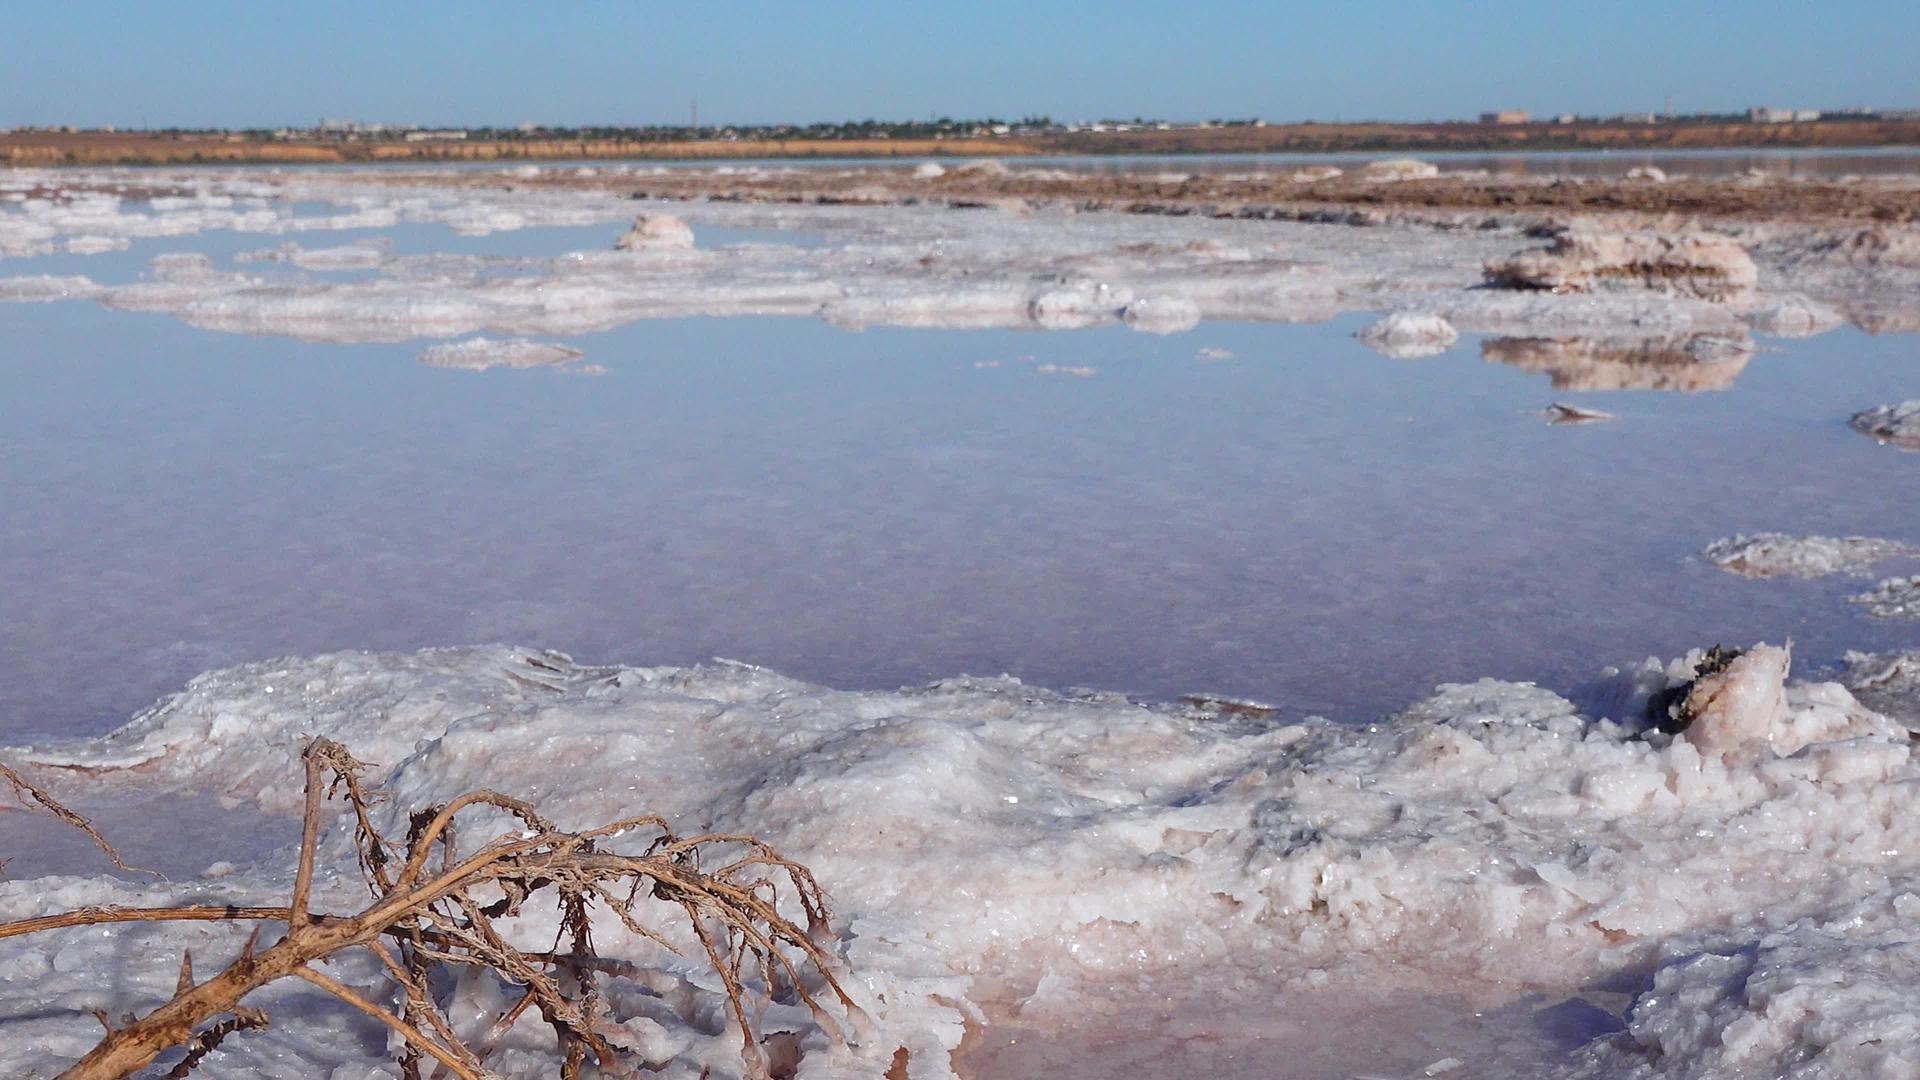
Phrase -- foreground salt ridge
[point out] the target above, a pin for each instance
(931, 266)
(991, 846)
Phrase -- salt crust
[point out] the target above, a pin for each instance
(921, 265)
(985, 842)
(1763, 555)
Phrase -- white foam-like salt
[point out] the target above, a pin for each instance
(985, 842)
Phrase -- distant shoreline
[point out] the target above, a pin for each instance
(97, 148)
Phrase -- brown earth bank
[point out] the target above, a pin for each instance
(1352, 198)
(44, 148)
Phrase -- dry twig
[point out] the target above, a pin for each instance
(420, 920)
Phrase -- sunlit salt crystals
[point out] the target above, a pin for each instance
(1409, 335)
(1762, 555)
(1022, 853)
(1896, 424)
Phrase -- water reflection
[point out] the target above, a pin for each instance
(1685, 363)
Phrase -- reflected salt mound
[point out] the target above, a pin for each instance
(1685, 363)
(482, 354)
(362, 255)
(1560, 412)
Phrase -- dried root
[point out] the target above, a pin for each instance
(436, 908)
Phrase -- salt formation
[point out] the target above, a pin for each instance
(1795, 316)
(980, 167)
(1888, 683)
(481, 354)
(997, 853)
(924, 265)
(1702, 265)
(1395, 169)
(1764, 555)
(1560, 412)
(1896, 424)
(1688, 363)
(1406, 335)
(1894, 598)
(1313, 174)
(928, 171)
(652, 232)
(1650, 173)
(42, 288)
(1168, 316)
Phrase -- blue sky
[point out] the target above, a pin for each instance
(591, 61)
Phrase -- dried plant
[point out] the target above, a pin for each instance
(434, 908)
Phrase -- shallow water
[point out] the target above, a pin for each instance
(1305, 522)
(1597, 164)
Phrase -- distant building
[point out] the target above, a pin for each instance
(1635, 118)
(453, 135)
(1566, 118)
(1506, 116)
(1761, 114)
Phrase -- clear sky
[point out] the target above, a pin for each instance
(269, 63)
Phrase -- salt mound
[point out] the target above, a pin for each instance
(1651, 173)
(1407, 334)
(1763, 555)
(43, 288)
(1313, 174)
(1795, 316)
(481, 353)
(1896, 424)
(1703, 265)
(655, 232)
(1396, 169)
(1888, 683)
(928, 171)
(1170, 316)
(989, 846)
(985, 167)
(1894, 598)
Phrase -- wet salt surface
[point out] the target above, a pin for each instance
(1307, 523)
(1809, 164)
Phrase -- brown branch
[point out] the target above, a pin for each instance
(414, 1036)
(24, 789)
(432, 918)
